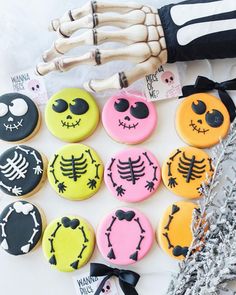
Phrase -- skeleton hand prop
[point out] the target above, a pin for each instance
(190, 30)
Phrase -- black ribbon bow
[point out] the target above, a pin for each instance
(204, 84)
(127, 279)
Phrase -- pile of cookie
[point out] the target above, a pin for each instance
(76, 172)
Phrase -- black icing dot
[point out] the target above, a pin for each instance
(214, 119)
(122, 105)
(140, 110)
(199, 108)
(79, 106)
(60, 105)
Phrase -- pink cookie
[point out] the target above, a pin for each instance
(124, 236)
(128, 118)
(132, 175)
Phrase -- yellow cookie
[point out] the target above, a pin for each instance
(185, 170)
(72, 114)
(174, 233)
(202, 120)
(75, 172)
(68, 243)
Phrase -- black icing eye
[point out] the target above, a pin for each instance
(79, 107)
(108, 287)
(122, 105)
(214, 119)
(33, 88)
(140, 111)
(103, 290)
(199, 108)
(60, 106)
(37, 86)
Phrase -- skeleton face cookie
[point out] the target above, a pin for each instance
(202, 120)
(21, 227)
(68, 243)
(72, 114)
(129, 119)
(133, 175)
(124, 236)
(75, 172)
(19, 117)
(185, 170)
(22, 171)
(174, 232)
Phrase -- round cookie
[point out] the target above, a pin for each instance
(202, 120)
(75, 172)
(19, 117)
(185, 170)
(132, 175)
(21, 227)
(68, 243)
(22, 171)
(128, 118)
(174, 233)
(72, 114)
(124, 236)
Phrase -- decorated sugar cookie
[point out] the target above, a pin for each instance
(132, 175)
(202, 120)
(128, 118)
(21, 227)
(75, 172)
(22, 171)
(124, 236)
(68, 243)
(19, 117)
(72, 114)
(185, 170)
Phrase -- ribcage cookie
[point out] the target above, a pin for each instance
(124, 236)
(132, 175)
(21, 227)
(22, 171)
(68, 243)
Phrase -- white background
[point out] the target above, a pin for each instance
(24, 36)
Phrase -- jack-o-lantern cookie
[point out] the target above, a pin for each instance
(132, 175)
(124, 236)
(72, 114)
(202, 120)
(22, 171)
(19, 117)
(68, 243)
(21, 227)
(75, 172)
(184, 171)
(174, 233)
(128, 118)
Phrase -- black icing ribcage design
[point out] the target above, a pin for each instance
(74, 167)
(15, 168)
(132, 170)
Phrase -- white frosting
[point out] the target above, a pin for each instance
(23, 208)
(3, 109)
(18, 107)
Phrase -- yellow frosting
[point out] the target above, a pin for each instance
(71, 250)
(179, 230)
(66, 125)
(75, 172)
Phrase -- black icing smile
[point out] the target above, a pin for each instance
(198, 129)
(13, 126)
(70, 125)
(127, 126)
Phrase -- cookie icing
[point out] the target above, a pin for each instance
(72, 114)
(124, 236)
(68, 243)
(184, 171)
(75, 172)
(128, 118)
(202, 120)
(174, 232)
(20, 227)
(21, 170)
(19, 117)
(132, 175)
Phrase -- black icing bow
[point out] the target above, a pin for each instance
(204, 84)
(74, 223)
(128, 216)
(127, 278)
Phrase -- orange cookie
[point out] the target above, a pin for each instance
(174, 233)
(202, 120)
(185, 170)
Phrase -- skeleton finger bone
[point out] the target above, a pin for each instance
(3, 229)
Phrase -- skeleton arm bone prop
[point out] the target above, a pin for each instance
(193, 29)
